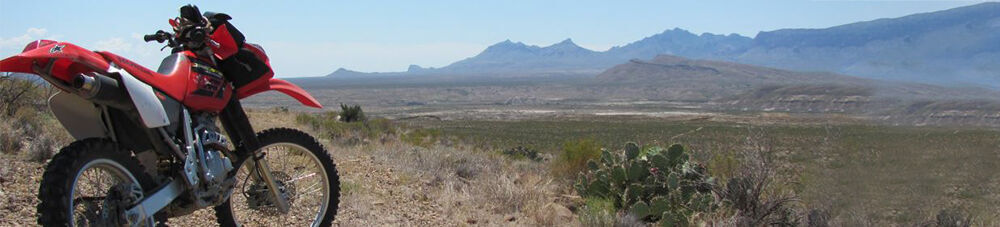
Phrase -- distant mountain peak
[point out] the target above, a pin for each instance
(677, 30)
(567, 43)
(415, 68)
(507, 42)
(508, 47)
(342, 72)
(566, 47)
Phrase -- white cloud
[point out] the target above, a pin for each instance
(17, 43)
(133, 48)
(115, 45)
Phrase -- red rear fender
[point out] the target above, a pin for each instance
(284, 87)
(67, 60)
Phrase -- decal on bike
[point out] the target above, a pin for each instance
(209, 81)
(56, 49)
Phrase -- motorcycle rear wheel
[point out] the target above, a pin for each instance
(307, 178)
(67, 196)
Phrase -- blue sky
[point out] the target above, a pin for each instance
(314, 38)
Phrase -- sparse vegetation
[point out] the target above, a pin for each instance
(357, 132)
(521, 152)
(28, 125)
(351, 113)
(10, 139)
(16, 93)
(662, 185)
(951, 217)
(751, 195)
(455, 166)
(574, 157)
(421, 137)
(846, 172)
(598, 211)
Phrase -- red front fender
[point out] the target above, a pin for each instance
(284, 87)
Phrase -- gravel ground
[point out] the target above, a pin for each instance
(19, 180)
(378, 195)
(379, 188)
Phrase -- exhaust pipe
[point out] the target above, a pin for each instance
(103, 90)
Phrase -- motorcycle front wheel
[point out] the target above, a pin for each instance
(306, 178)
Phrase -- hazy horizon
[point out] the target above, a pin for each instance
(316, 38)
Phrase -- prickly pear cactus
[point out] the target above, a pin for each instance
(652, 183)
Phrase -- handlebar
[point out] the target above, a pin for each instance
(160, 36)
(150, 37)
(191, 32)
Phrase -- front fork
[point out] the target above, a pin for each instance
(263, 170)
(237, 125)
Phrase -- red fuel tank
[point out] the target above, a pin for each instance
(195, 83)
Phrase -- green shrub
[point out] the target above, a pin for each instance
(42, 148)
(574, 157)
(351, 113)
(748, 192)
(16, 93)
(652, 184)
(422, 137)
(598, 212)
(951, 217)
(379, 126)
(328, 125)
(10, 139)
(521, 152)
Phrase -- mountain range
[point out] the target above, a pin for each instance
(959, 46)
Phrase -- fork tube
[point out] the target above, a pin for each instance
(237, 125)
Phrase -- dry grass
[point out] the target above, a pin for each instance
(469, 186)
(10, 139)
(435, 182)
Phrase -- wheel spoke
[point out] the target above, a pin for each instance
(298, 172)
(91, 188)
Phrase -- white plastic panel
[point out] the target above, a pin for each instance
(79, 116)
(150, 109)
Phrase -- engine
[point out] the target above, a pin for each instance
(214, 165)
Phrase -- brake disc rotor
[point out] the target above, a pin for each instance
(259, 196)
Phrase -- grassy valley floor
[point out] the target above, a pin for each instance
(861, 173)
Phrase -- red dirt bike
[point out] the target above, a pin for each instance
(148, 147)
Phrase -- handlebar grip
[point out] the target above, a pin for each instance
(148, 38)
